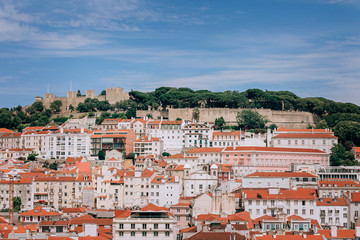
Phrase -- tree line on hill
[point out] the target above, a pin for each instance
(342, 118)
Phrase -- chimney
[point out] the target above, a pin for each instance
(198, 227)
(274, 236)
(81, 130)
(333, 230)
(304, 235)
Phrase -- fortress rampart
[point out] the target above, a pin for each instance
(290, 119)
(113, 95)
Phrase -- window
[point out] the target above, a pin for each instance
(167, 234)
(132, 234)
(132, 226)
(156, 234)
(144, 234)
(303, 211)
(156, 226)
(121, 226)
(178, 210)
(311, 211)
(167, 226)
(121, 234)
(144, 226)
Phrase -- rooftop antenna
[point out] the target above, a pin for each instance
(48, 87)
(70, 85)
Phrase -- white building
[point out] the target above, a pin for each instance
(137, 188)
(285, 180)
(332, 211)
(35, 141)
(150, 222)
(68, 143)
(322, 139)
(205, 156)
(226, 139)
(165, 190)
(170, 132)
(109, 189)
(276, 202)
(200, 181)
(148, 146)
(197, 135)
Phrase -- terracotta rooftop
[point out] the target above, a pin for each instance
(282, 174)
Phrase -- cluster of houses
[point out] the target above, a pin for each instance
(211, 185)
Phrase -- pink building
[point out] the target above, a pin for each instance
(181, 212)
(273, 159)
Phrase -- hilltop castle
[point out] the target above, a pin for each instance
(112, 95)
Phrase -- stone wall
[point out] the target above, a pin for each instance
(290, 119)
(113, 95)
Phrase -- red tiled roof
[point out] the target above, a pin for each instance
(175, 156)
(355, 196)
(294, 217)
(122, 213)
(300, 194)
(338, 182)
(89, 219)
(147, 173)
(282, 174)
(171, 122)
(284, 129)
(245, 216)
(153, 207)
(341, 233)
(74, 210)
(289, 237)
(39, 211)
(356, 149)
(330, 202)
(272, 149)
(234, 133)
(304, 135)
(5, 130)
(216, 236)
(205, 149)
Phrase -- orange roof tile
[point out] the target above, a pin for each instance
(304, 135)
(39, 211)
(206, 149)
(5, 130)
(272, 149)
(154, 208)
(331, 202)
(234, 133)
(333, 182)
(346, 233)
(300, 194)
(282, 174)
(284, 129)
(122, 213)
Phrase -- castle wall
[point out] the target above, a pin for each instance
(113, 95)
(290, 119)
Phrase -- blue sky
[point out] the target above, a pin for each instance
(309, 47)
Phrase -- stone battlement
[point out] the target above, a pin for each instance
(113, 95)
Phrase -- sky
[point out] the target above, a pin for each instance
(309, 47)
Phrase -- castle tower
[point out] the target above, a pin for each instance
(90, 93)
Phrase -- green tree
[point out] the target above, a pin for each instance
(55, 106)
(101, 155)
(91, 114)
(341, 157)
(103, 93)
(78, 93)
(250, 120)
(166, 154)
(71, 108)
(131, 113)
(149, 115)
(219, 122)
(348, 133)
(31, 157)
(17, 204)
(54, 166)
(178, 119)
(322, 124)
